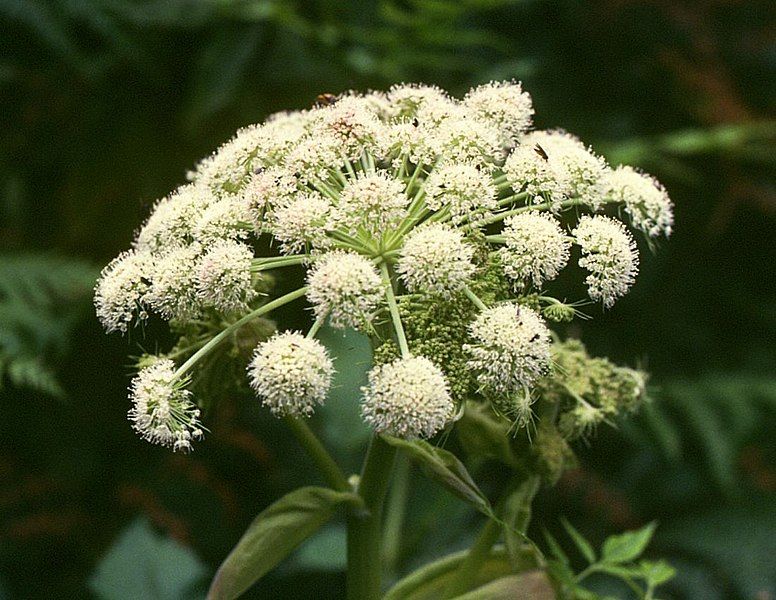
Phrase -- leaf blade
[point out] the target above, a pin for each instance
(445, 468)
(272, 536)
(579, 541)
(627, 546)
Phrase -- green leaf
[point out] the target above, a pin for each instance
(431, 580)
(483, 434)
(555, 548)
(627, 546)
(516, 514)
(343, 428)
(272, 536)
(444, 468)
(325, 551)
(143, 564)
(656, 573)
(523, 586)
(584, 546)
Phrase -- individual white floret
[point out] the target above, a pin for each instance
(504, 104)
(435, 259)
(173, 291)
(575, 165)
(224, 276)
(346, 287)
(162, 411)
(375, 202)
(265, 190)
(428, 103)
(407, 398)
(529, 171)
(302, 223)
(646, 200)
(351, 121)
(227, 219)
(291, 374)
(511, 349)
(535, 249)
(461, 187)
(610, 256)
(120, 290)
(461, 138)
(173, 218)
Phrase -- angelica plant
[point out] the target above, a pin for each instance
(436, 227)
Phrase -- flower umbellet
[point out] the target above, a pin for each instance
(436, 226)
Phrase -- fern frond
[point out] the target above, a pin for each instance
(41, 299)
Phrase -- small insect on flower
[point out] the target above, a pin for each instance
(408, 398)
(291, 374)
(541, 151)
(162, 411)
(325, 99)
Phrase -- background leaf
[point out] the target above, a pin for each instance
(525, 586)
(628, 546)
(143, 564)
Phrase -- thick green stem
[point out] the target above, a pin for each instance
(474, 298)
(322, 459)
(395, 513)
(475, 558)
(365, 525)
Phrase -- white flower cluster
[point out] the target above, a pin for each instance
(404, 194)
(291, 373)
(162, 411)
(511, 349)
(535, 248)
(345, 287)
(407, 398)
(435, 259)
(609, 254)
(645, 199)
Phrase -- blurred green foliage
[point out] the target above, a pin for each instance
(106, 103)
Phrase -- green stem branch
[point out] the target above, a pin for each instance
(393, 308)
(321, 457)
(220, 337)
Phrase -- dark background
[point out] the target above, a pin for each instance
(105, 104)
